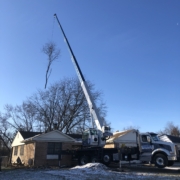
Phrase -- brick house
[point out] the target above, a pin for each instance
(41, 149)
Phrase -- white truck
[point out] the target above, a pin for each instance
(145, 147)
(94, 139)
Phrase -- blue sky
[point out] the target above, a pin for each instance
(130, 50)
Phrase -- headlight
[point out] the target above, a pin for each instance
(171, 152)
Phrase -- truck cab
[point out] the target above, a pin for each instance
(156, 151)
(92, 138)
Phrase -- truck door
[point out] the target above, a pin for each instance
(146, 148)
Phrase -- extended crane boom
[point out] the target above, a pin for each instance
(93, 110)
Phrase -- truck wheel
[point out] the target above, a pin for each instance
(170, 163)
(106, 159)
(83, 160)
(160, 160)
(94, 159)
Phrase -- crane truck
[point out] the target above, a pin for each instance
(94, 139)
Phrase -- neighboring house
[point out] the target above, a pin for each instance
(41, 149)
(169, 138)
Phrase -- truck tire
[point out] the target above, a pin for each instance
(94, 159)
(170, 163)
(106, 159)
(83, 160)
(160, 160)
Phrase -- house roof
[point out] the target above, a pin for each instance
(75, 136)
(52, 136)
(22, 135)
(26, 134)
(174, 139)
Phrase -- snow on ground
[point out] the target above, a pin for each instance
(91, 171)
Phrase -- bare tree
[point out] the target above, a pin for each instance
(171, 129)
(52, 53)
(64, 103)
(21, 116)
(6, 133)
(131, 127)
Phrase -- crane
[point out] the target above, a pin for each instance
(92, 136)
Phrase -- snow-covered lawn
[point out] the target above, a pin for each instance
(91, 171)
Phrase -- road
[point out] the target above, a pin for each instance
(132, 167)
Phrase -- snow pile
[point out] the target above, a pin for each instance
(95, 167)
(82, 172)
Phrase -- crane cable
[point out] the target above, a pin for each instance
(52, 29)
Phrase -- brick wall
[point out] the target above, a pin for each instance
(26, 156)
(29, 150)
(40, 154)
(39, 149)
(67, 159)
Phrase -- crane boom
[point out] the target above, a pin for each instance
(93, 110)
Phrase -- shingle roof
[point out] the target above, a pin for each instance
(174, 139)
(26, 134)
(75, 136)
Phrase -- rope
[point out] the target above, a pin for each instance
(52, 29)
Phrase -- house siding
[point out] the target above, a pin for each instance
(17, 140)
(29, 150)
(14, 157)
(27, 155)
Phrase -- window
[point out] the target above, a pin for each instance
(144, 138)
(93, 132)
(85, 135)
(155, 137)
(15, 150)
(54, 148)
(22, 150)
